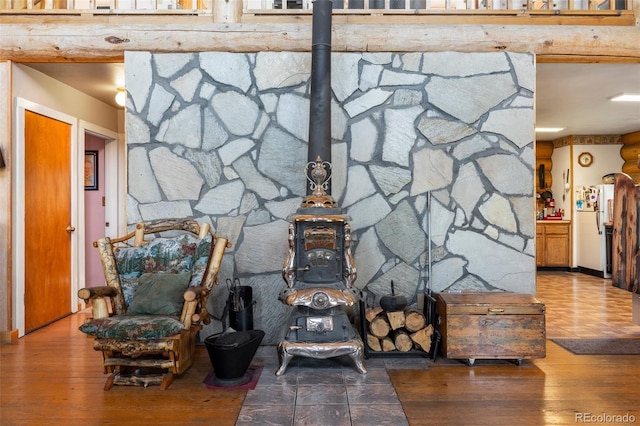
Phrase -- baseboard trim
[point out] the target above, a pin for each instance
(553, 268)
(8, 337)
(592, 272)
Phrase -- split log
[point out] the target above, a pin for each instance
(387, 344)
(414, 320)
(379, 327)
(422, 338)
(89, 293)
(396, 319)
(402, 341)
(371, 313)
(164, 380)
(374, 343)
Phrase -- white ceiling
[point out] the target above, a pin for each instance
(570, 95)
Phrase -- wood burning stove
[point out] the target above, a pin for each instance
(319, 269)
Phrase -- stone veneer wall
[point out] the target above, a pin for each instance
(222, 137)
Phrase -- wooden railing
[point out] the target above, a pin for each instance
(251, 6)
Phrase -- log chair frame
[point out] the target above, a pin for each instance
(171, 355)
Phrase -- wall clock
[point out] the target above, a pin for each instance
(585, 159)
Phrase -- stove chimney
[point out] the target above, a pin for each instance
(320, 111)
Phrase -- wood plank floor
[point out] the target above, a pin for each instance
(561, 389)
(53, 376)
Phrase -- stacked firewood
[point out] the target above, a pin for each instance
(398, 330)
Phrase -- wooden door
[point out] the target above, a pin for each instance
(47, 188)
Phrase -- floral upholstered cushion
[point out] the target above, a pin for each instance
(133, 327)
(176, 255)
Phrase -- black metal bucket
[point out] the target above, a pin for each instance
(230, 355)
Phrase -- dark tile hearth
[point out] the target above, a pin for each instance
(325, 392)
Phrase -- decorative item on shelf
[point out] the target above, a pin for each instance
(585, 159)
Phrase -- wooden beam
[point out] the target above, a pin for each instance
(60, 40)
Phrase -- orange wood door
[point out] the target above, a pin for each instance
(47, 187)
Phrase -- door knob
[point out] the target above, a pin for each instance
(70, 229)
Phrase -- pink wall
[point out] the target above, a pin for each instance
(94, 217)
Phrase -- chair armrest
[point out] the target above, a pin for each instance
(194, 293)
(195, 309)
(89, 293)
(98, 297)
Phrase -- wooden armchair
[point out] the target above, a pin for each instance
(146, 318)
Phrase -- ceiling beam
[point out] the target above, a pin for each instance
(108, 39)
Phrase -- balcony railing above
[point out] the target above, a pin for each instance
(507, 7)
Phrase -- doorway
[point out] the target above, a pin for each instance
(94, 207)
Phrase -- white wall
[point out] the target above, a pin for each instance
(606, 159)
(46, 91)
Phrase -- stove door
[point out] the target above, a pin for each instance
(320, 253)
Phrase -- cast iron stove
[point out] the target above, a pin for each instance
(319, 271)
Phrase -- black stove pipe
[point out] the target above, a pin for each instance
(320, 110)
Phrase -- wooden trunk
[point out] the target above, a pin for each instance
(491, 326)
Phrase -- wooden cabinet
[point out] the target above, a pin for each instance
(491, 325)
(553, 243)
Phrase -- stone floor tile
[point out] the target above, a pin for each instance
(321, 395)
(320, 377)
(373, 376)
(322, 415)
(274, 394)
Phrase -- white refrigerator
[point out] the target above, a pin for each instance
(594, 212)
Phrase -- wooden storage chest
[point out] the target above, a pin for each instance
(491, 325)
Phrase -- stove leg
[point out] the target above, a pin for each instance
(285, 357)
(357, 358)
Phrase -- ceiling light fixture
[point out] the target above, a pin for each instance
(121, 97)
(549, 129)
(626, 98)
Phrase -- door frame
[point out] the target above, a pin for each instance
(114, 162)
(111, 191)
(114, 153)
(21, 106)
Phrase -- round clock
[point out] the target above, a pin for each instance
(585, 159)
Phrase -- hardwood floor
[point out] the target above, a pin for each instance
(560, 389)
(53, 376)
